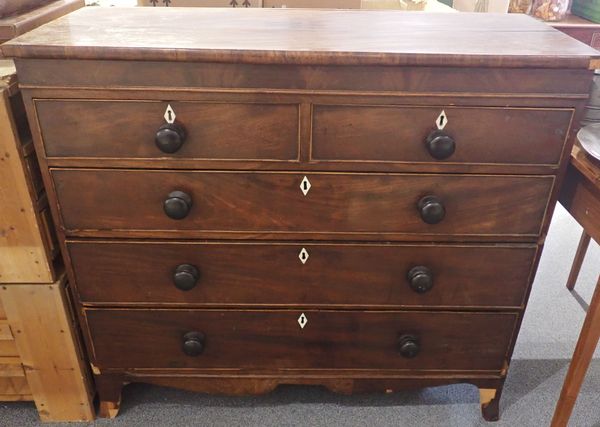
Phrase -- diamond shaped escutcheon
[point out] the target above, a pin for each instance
(305, 186)
(170, 114)
(303, 255)
(442, 120)
(302, 320)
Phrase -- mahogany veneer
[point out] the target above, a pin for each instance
(260, 197)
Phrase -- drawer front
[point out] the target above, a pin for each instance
(275, 202)
(399, 134)
(275, 339)
(34, 176)
(127, 129)
(229, 274)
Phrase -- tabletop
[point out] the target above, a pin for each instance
(302, 36)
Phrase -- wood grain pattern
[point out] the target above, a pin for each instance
(281, 36)
(330, 340)
(46, 341)
(14, 388)
(584, 351)
(17, 24)
(511, 101)
(270, 274)
(127, 129)
(398, 133)
(24, 258)
(8, 347)
(341, 203)
(418, 81)
(581, 197)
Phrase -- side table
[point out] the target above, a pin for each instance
(580, 195)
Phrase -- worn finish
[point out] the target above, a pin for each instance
(399, 134)
(275, 36)
(213, 130)
(301, 214)
(19, 16)
(271, 274)
(351, 204)
(330, 340)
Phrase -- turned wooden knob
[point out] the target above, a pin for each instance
(186, 277)
(420, 279)
(178, 205)
(432, 209)
(193, 343)
(170, 137)
(440, 145)
(408, 346)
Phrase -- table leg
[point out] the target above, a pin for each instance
(584, 351)
(579, 256)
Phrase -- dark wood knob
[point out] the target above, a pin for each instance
(177, 205)
(440, 145)
(432, 209)
(186, 277)
(170, 137)
(193, 343)
(420, 279)
(408, 346)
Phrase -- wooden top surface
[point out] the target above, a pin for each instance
(301, 36)
(588, 166)
(15, 25)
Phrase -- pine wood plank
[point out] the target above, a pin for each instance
(14, 386)
(11, 367)
(56, 374)
(8, 348)
(23, 256)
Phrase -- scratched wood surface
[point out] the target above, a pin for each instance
(303, 37)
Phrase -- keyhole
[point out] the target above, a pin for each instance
(305, 185)
(442, 120)
(170, 115)
(303, 255)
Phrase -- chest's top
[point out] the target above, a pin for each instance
(287, 36)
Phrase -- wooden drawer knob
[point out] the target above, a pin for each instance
(408, 346)
(432, 209)
(177, 205)
(170, 137)
(420, 279)
(186, 277)
(440, 145)
(193, 343)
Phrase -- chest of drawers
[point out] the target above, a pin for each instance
(253, 198)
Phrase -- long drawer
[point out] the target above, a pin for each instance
(294, 202)
(399, 134)
(127, 129)
(301, 274)
(260, 340)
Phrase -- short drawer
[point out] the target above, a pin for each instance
(127, 129)
(276, 202)
(481, 135)
(263, 340)
(301, 274)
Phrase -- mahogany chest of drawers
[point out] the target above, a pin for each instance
(248, 198)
